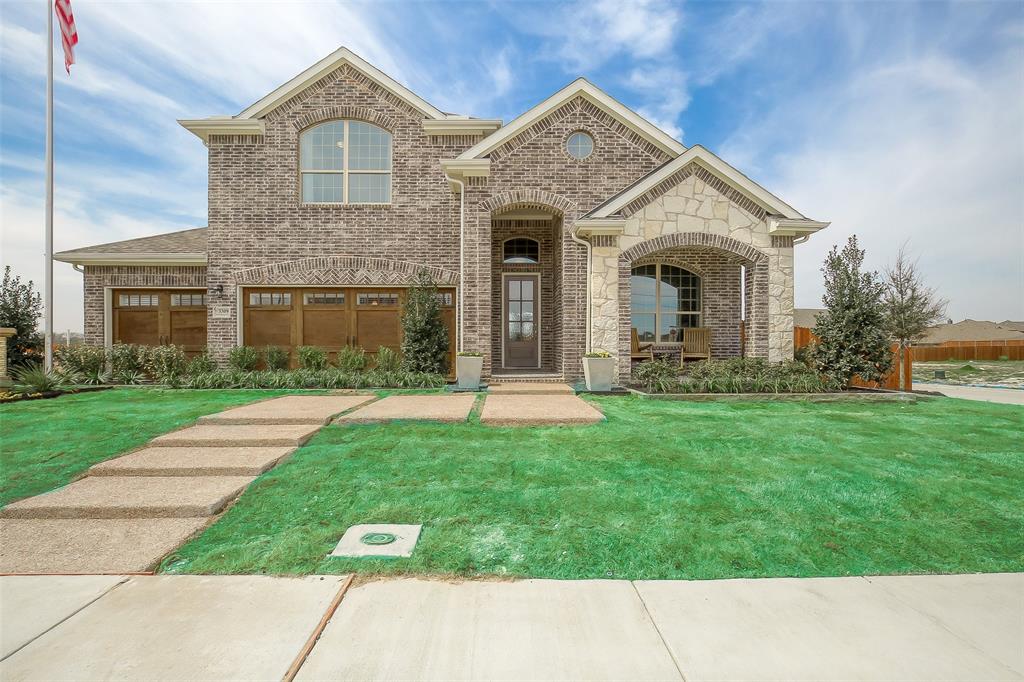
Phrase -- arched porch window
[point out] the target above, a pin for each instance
(664, 300)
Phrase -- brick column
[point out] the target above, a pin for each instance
(5, 333)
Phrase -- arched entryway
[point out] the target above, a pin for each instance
(685, 280)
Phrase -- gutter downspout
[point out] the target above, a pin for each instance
(462, 260)
(590, 256)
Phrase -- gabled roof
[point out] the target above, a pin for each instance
(186, 247)
(249, 119)
(771, 203)
(580, 87)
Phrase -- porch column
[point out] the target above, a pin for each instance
(605, 298)
(780, 299)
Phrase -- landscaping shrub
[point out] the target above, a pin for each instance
(657, 376)
(314, 357)
(20, 308)
(32, 378)
(276, 358)
(425, 336)
(82, 363)
(201, 364)
(386, 360)
(330, 378)
(852, 332)
(128, 363)
(244, 358)
(351, 359)
(166, 364)
(736, 375)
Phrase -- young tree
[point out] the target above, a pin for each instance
(424, 334)
(911, 307)
(852, 335)
(20, 308)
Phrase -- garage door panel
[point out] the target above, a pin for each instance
(268, 328)
(376, 328)
(326, 328)
(138, 326)
(188, 329)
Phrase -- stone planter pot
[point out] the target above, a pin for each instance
(467, 371)
(599, 373)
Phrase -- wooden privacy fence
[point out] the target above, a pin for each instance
(971, 350)
(803, 336)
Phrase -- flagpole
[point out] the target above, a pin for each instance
(48, 286)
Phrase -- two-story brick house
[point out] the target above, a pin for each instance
(578, 225)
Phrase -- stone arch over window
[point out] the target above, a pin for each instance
(345, 161)
(715, 241)
(344, 270)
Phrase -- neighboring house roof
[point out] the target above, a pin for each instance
(186, 247)
(806, 317)
(580, 87)
(973, 330)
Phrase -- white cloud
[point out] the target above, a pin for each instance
(929, 151)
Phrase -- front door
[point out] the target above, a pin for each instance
(521, 328)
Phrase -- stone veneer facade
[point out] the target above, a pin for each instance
(699, 223)
(260, 233)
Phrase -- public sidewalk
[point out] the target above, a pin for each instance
(966, 627)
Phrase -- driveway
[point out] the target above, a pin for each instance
(256, 627)
(1009, 396)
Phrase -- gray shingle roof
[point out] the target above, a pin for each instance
(184, 242)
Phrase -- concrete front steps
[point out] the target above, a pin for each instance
(129, 512)
(530, 388)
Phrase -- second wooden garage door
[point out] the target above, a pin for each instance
(331, 318)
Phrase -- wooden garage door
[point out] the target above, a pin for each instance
(155, 317)
(332, 318)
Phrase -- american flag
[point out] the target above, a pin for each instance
(68, 33)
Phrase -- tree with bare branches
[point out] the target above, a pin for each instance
(911, 306)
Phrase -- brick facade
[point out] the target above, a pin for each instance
(261, 233)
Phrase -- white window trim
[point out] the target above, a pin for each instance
(657, 300)
(345, 172)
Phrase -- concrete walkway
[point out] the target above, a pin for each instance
(967, 627)
(131, 511)
(1008, 396)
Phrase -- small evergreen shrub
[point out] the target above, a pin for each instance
(424, 334)
(243, 358)
(351, 359)
(386, 360)
(276, 358)
(330, 378)
(201, 364)
(128, 363)
(83, 364)
(166, 364)
(313, 357)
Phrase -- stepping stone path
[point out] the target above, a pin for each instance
(538, 410)
(129, 512)
(442, 408)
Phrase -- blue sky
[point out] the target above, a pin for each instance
(900, 122)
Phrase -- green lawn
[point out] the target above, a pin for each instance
(45, 444)
(662, 490)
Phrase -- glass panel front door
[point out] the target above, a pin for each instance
(521, 323)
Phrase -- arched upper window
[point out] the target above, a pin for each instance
(664, 299)
(345, 162)
(520, 250)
